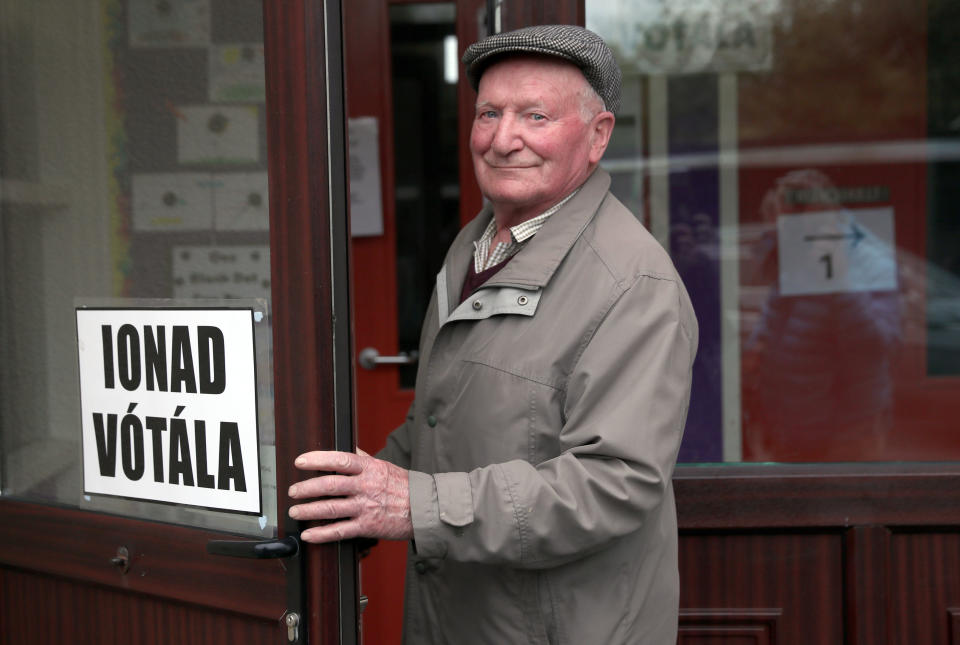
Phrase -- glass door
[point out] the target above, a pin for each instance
(151, 187)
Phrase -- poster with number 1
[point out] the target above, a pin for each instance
(837, 251)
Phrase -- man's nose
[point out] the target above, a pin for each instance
(506, 137)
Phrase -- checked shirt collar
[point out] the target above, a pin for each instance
(484, 257)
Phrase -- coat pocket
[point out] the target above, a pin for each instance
(500, 416)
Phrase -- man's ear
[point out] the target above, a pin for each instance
(601, 127)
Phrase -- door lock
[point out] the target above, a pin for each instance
(292, 621)
(122, 559)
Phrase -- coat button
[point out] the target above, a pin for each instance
(432, 421)
(421, 567)
(522, 300)
(477, 305)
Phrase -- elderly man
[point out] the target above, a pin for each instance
(532, 475)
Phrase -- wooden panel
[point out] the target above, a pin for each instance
(840, 495)
(867, 584)
(954, 622)
(42, 609)
(799, 575)
(164, 560)
(728, 626)
(925, 572)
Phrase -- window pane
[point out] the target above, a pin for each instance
(799, 161)
(133, 166)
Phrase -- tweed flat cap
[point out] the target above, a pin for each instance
(580, 46)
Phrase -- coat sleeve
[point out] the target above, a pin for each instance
(625, 407)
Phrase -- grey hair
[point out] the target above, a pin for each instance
(589, 100)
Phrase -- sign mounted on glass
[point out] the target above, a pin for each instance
(699, 36)
(168, 398)
(837, 251)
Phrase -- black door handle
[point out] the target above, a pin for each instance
(285, 547)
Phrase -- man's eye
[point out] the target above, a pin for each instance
(538, 117)
(488, 114)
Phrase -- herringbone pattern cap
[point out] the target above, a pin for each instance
(580, 46)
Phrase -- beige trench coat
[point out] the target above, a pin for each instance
(548, 413)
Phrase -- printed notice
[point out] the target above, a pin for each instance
(237, 73)
(221, 271)
(172, 201)
(169, 23)
(195, 201)
(691, 37)
(241, 201)
(217, 134)
(366, 209)
(837, 251)
(168, 400)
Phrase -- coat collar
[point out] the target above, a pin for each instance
(536, 263)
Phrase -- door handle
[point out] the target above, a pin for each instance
(370, 358)
(285, 547)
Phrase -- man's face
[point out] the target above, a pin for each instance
(530, 142)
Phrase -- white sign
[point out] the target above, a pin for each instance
(837, 251)
(172, 201)
(236, 73)
(169, 406)
(171, 23)
(242, 201)
(694, 36)
(221, 271)
(366, 210)
(196, 201)
(217, 134)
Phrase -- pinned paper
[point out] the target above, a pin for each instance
(192, 201)
(237, 74)
(217, 134)
(172, 201)
(366, 210)
(221, 271)
(169, 23)
(241, 202)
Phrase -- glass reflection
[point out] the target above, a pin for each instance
(800, 162)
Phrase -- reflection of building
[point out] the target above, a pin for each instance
(720, 132)
(817, 367)
(856, 363)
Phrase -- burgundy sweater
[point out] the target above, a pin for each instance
(473, 280)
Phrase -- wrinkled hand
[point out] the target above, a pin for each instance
(369, 496)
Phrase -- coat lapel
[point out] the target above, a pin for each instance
(454, 271)
(534, 265)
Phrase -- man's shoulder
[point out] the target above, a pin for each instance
(624, 245)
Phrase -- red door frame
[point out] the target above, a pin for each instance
(381, 403)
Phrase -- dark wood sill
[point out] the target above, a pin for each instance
(749, 496)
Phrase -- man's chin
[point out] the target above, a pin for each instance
(512, 198)
(509, 190)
